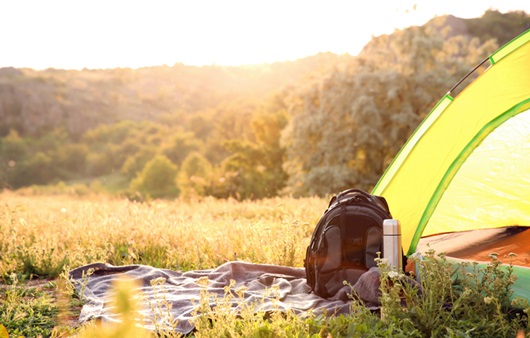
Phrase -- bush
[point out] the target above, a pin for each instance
(194, 178)
(157, 179)
(461, 299)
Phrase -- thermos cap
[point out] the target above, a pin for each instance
(391, 227)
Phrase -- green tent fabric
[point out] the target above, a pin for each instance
(467, 166)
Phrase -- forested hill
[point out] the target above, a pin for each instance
(310, 126)
(31, 101)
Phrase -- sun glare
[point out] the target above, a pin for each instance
(105, 34)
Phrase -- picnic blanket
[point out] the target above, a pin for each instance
(251, 282)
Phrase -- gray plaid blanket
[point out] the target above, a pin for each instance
(182, 290)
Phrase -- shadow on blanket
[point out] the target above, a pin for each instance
(183, 290)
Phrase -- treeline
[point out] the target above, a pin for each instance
(154, 158)
(312, 126)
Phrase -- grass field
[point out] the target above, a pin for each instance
(41, 237)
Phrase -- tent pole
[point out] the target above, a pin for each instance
(466, 76)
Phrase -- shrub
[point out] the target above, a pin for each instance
(157, 179)
(194, 178)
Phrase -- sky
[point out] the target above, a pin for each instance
(77, 34)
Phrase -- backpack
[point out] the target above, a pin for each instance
(346, 241)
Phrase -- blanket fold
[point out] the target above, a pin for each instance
(265, 287)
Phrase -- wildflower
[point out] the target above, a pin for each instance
(383, 261)
(488, 300)
(393, 274)
(241, 291)
(158, 281)
(203, 281)
(493, 255)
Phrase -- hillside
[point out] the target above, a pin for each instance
(35, 101)
(32, 101)
(307, 127)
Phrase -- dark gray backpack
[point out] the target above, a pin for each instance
(345, 241)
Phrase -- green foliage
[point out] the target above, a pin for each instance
(98, 164)
(346, 128)
(27, 161)
(110, 146)
(195, 176)
(110, 133)
(313, 126)
(26, 311)
(71, 160)
(180, 145)
(223, 321)
(254, 170)
(455, 300)
(13, 147)
(40, 168)
(43, 160)
(157, 179)
(39, 261)
(127, 146)
(135, 163)
(437, 307)
(499, 26)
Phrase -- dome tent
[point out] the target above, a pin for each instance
(466, 168)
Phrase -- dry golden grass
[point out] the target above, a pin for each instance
(43, 236)
(40, 235)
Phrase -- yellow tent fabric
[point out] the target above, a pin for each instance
(467, 166)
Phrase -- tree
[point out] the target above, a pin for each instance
(157, 179)
(500, 26)
(195, 176)
(267, 128)
(37, 169)
(346, 128)
(136, 162)
(254, 168)
(13, 147)
(71, 160)
(25, 164)
(180, 145)
(111, 145)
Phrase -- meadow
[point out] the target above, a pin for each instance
(42, 237)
